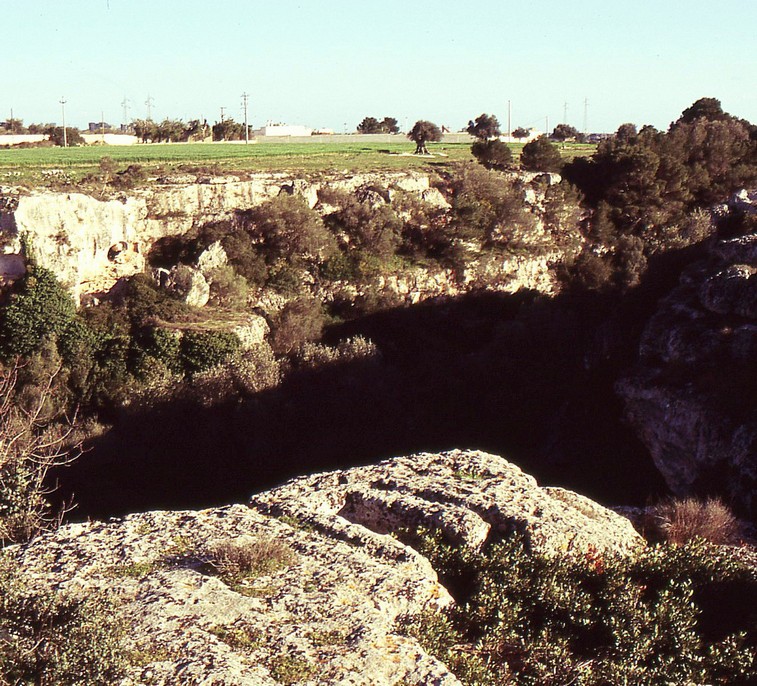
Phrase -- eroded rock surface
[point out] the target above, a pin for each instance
(330, 615)
(692, 395)
(90, 244)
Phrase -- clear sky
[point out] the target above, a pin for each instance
(329, 63)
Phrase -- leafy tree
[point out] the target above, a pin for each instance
(145, 129)
(704, 108)
(287, 229)
(564, 132)
(369, 125)
(493, 154)
(488, 208)
(73, 137)
(485, 127)
(40, 307)
(591, 619)
(626, 132)
(169, 131)
(422, 132)
(390, 125)
(228, 130)
(14, 125)
(520, 132)
(373, 125)
(541, 155)
(36, 129)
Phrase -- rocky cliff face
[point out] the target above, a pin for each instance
(329, 614)
(90, 244)
(692, 395)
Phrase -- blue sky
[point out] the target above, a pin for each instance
(332, 62)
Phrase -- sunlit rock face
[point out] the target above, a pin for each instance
(90, 243)
(330, 610)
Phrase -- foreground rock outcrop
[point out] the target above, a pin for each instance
(692, 395)
(329, 615)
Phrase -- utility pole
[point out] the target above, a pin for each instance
(149, 102)
(13, 123)
(63, 110)
(102, 126)
(245, 99)
(586, 116)
(509, 125)
(125, 105)
(565, 113)
(546, 126)
(222, 109)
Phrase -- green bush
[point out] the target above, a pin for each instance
(298, 321)
(40, 307)
(202, 350)
(57, 639)
(541, 156)
(488, 207)
(592, 619)
(492, 154)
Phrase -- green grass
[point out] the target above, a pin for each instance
(58, 166)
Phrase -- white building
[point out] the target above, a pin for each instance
(282, 130)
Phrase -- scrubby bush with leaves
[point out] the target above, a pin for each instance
(488, 207)
(38, 307)
(366, 225)
(299, 321)
(50, 638)
(541, 156)
(593, 619)
(201, 350)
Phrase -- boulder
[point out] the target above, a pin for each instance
(190, 284)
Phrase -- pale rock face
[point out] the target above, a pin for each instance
(189, 284)
(333, 611)
(691, 395)
(212, 258)
(91, 244)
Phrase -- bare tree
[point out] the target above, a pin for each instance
(32, 442)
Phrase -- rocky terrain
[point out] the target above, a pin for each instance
(90, 243)
(328, 613)
(691, 396)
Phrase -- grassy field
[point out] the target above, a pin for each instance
(51, 166)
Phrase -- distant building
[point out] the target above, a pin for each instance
(95, 126)
(282, 130)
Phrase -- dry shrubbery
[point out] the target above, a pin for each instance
(678, 521)
(248, 557)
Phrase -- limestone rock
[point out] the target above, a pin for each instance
(468, 495)
(331, 613)
(691, 396)
(190, 284)
(213, 257)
